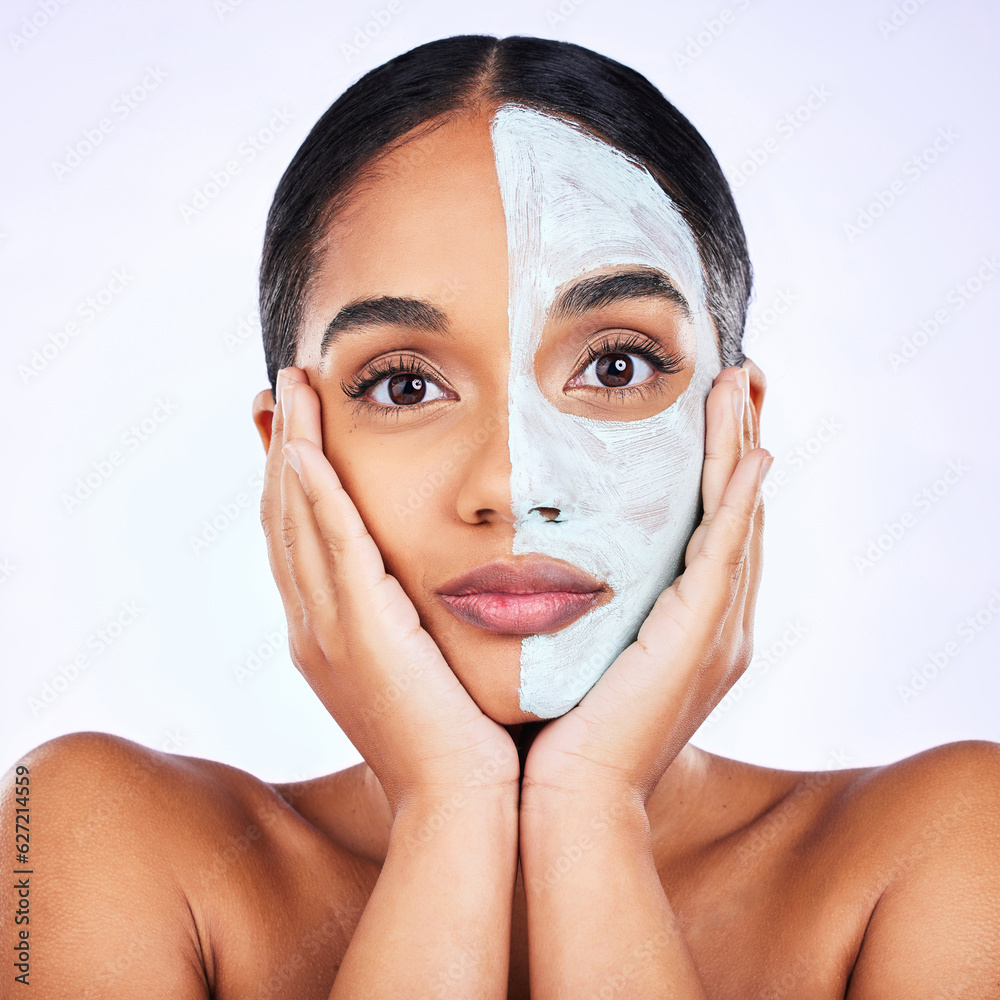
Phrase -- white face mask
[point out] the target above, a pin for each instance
(628, 492)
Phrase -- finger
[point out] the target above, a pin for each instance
(306, 552)
(351, 551)
(724, 423)
(371, 605)
(745, 603)
(270, 515)
(748, 424)
(711, 583)
(300, 408)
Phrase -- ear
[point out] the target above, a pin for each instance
(758, 386)
(263, 414)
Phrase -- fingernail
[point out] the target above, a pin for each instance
(293, 458)
(739, 401)
(765, 467)
(286, 400)
(281, 381)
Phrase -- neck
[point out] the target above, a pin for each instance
(681, 804)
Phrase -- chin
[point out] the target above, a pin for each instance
(488, 666)
(503, 707)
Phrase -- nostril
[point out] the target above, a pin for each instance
(549, 513)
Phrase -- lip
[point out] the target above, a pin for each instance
(521, 596)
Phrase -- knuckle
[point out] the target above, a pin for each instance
(267, 519)
(313, 494)
(289, 529)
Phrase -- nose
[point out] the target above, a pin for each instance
(547, 457)
(484, 495)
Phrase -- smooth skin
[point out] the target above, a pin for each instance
(625, 862)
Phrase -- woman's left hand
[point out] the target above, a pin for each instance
(693, 646)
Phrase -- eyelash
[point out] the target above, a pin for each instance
(665, 362)
(382, 369)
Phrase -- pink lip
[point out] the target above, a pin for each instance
(522, 596)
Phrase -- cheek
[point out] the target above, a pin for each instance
(402, 488)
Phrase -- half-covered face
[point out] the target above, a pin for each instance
(512, 350)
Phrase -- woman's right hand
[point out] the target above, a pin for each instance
(355, 635)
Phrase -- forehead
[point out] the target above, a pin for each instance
(454, 204)
(425, 218)
(575, 203)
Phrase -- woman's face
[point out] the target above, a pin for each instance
(510, 344)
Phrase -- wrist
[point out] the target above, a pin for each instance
(548, 814)
(486, 817)
(578, 794)
(565, 843)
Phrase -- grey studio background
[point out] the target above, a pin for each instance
(142, 144)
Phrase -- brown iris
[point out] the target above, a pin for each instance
(614, 370)
(405, 388)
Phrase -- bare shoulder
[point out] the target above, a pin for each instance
(145, 865)
(916, 803)
(930, 828)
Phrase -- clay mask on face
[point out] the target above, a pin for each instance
(628, 492)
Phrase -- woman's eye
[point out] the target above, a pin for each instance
(616, 371)
(405, 389)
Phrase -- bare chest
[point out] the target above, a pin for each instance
(769, 922)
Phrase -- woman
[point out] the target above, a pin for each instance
(502, 293)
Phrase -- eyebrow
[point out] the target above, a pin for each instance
(578, 299)
(384, 310)
(606, 289)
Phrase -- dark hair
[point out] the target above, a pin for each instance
(462, 73)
